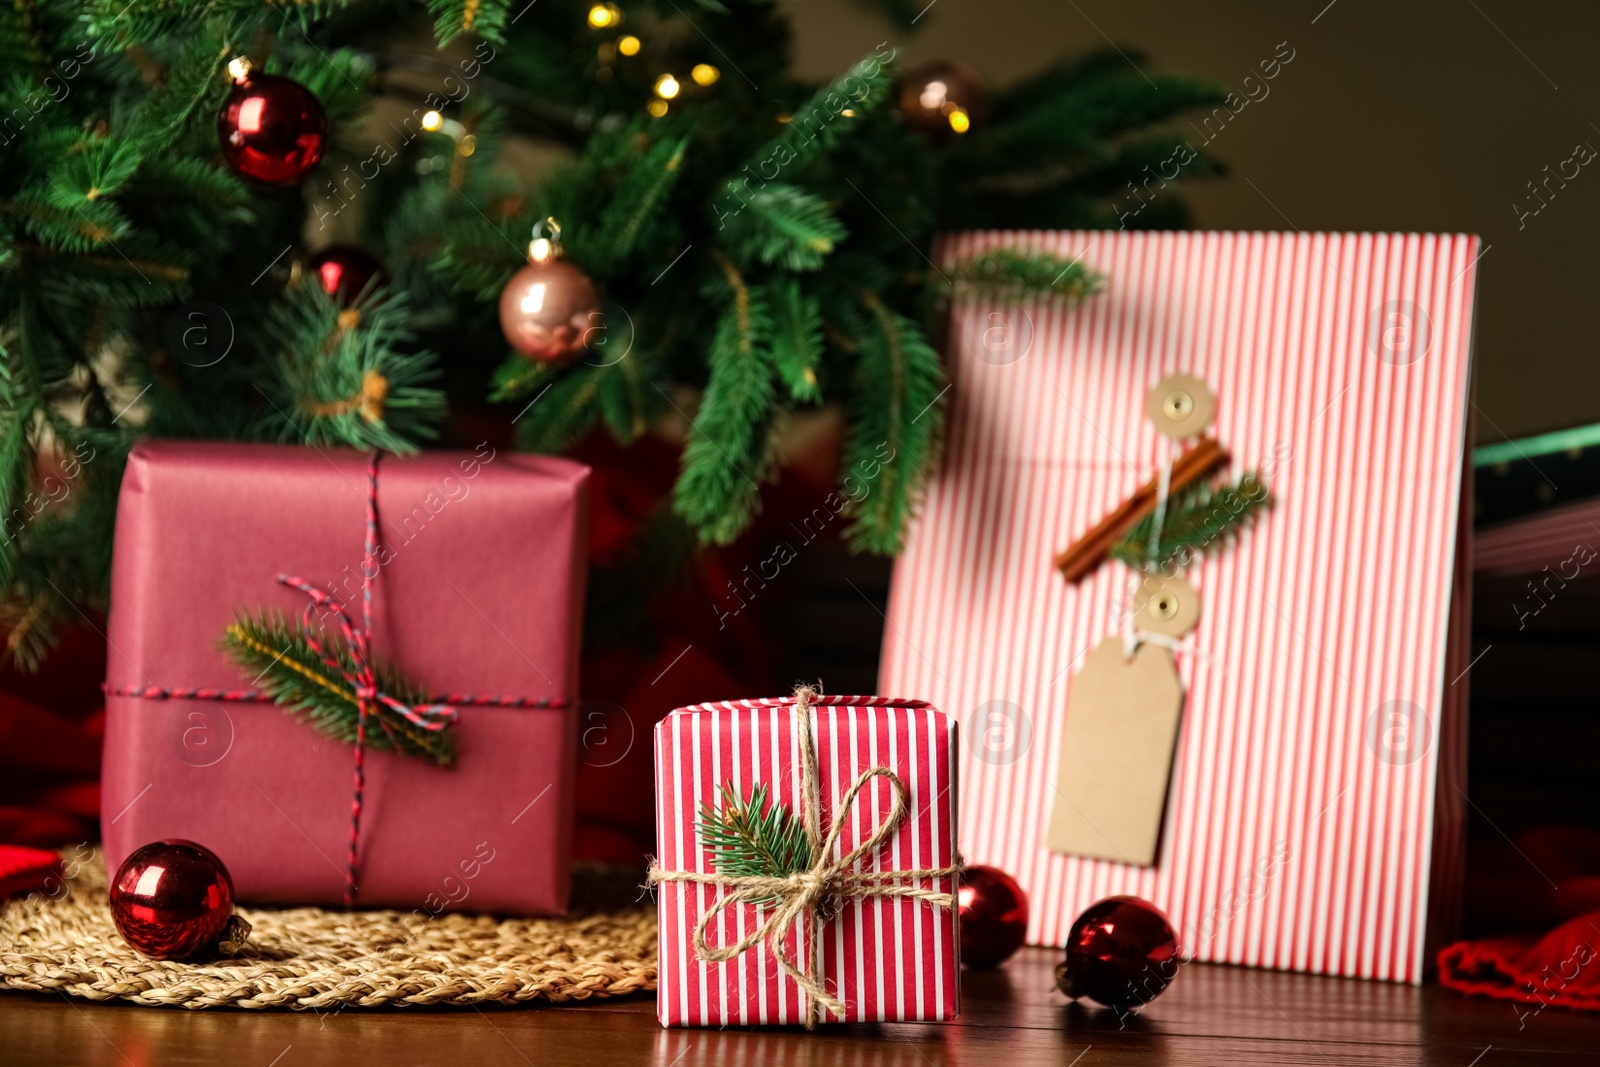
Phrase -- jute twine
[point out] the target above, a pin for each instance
(793, 900)
(310, 959)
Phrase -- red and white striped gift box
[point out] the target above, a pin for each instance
(884, 958)
(1315, 807)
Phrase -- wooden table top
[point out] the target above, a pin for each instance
(1011, 1017)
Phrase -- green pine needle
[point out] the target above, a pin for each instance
(290, 671)
(483, 18)
(1004, 274)
(796, 339)
(754, 839)
(349, 376)
(898, 418)
(780, 223)
(1199, 519)
(727, 453)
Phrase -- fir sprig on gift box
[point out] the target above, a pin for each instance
(1199, 519)
(753, 839)
(294, 675)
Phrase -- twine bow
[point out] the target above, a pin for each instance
(799, 898)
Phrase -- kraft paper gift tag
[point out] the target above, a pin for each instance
(1116, 754)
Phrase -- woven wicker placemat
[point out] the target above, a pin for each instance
(312, 959)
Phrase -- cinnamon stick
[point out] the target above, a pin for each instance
(1087, 552)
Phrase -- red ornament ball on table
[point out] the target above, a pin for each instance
(994, 916)
(272, 128)
(1121, 952)
(549, 309)
(345, 271)
(174, 899)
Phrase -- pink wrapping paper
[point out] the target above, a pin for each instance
(886, 959)
(480, 592)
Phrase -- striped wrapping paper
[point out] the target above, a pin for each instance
(885, 959)
(1315, 809)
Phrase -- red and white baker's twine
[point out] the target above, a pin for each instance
(439, 715)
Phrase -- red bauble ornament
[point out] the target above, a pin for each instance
(549, 310)
(1121, 952)
(943, 98)
(994, 916)
(272, 129)
(173, 899)
(345, 271)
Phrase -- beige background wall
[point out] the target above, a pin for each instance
(1401, 115)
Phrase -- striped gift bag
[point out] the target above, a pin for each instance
(1315, 805)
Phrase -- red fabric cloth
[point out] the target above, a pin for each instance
(1556, 970)
(23, 870)
(1550, 875)
(51, 725)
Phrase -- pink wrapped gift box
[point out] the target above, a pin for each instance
(479, 591)
(884, 958)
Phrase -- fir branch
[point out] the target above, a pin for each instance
(796, 346)
(69, 227)
(645, 185)
(295, 676)
(1198, 520)
(752, 838)
(17, 461)
(1008, 274)
(32, 626)
(193, 84)
(627, 398)
(723, 460)
(342, 377)
(782, 223)
(820, 122)
(485, 18)
(563, 411)
(518, 377)
(94, 168)
(897, 421)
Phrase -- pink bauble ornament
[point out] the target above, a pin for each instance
(549, 310)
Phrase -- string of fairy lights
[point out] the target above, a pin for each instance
(668, 86)
(941, 99)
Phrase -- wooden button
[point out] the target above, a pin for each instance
(1181, 406)
(1169, 606)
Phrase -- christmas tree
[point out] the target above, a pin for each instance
(734, 244)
